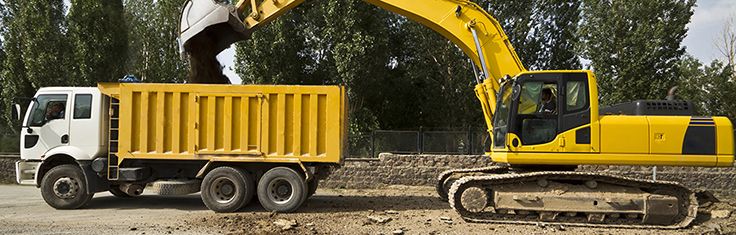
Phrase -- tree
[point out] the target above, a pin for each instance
(635, 46)
(153, 50)
(543, 32)
(36, 49)
(726, 44)
(99, 41)
(4, 128)
(711, 88)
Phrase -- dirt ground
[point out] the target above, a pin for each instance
(393, 210)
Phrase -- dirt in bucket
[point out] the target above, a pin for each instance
(203, 65)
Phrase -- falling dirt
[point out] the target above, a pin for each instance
(203, 65)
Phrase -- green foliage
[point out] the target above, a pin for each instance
(153, 53)
(99, 41)
(9, 144)
(399, 74)
(635, 46)
(36, 51)
(543, 32)
(712, 88)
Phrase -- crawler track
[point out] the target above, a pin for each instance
(686, 199)
(446, 178)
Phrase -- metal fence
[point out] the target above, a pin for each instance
(422, 141)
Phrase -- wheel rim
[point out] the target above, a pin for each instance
(66, 187)
(223, 190)
(280, 191)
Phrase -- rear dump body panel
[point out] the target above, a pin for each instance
(261, 123)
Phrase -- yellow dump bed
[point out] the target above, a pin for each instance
(265, 123)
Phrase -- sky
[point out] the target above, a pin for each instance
(706, 26)
(704, 29)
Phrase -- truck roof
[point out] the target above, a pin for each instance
(76, 89)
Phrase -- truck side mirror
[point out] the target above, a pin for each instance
(16, 112)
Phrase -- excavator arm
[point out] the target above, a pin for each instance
(463, 22)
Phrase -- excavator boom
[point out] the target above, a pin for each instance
(463, 22)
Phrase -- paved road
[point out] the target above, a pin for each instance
(22, 210)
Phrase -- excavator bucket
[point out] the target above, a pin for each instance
(210, 22)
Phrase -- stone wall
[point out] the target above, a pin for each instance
(422, 170)
(390, 169)
(7, 169)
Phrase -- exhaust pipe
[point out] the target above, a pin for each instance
(210, 22)
(132, 189)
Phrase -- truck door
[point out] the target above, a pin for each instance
(46, 125)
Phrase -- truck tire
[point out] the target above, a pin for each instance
(227, 189)
(117, 192)
(64, 187)
(176, 187)
(312, 185)
(282, 189)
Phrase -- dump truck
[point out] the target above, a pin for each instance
(230, 142)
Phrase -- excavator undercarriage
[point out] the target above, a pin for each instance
(500, 195)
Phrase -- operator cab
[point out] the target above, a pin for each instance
(535, 108)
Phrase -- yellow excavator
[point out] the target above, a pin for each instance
(543, 124)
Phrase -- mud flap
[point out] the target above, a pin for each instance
(94, 182)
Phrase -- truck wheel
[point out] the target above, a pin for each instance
(312, 185)
(64, 187)
(282, 189)
(226, 189)
(116, 191)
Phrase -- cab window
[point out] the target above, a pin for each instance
(82, 106)
(47, 108)
(529, 97)
(576, 96)
(537, 112)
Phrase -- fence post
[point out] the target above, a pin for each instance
(373, 144)
(420, 143)
(469, 146)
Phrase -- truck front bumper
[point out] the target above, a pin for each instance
(25, 172)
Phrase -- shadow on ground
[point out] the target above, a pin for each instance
(188, 202)
(315, 204)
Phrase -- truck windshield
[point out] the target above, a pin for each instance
(47, 108)
(501, 117)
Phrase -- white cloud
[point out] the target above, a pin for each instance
(705, 26)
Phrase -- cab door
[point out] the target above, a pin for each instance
(575, 116)
(536, 122)
(46, 125)
(553, 113)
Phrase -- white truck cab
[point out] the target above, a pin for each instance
(61, 124)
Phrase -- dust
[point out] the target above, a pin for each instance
(203, 65)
